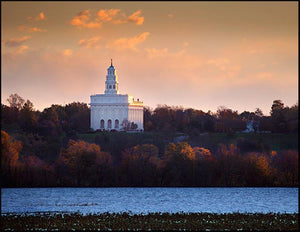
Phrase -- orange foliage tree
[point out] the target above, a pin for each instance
(10, 150)
(86, 164)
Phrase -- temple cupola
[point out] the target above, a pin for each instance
(111, 83)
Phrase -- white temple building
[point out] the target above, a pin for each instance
(114, 111)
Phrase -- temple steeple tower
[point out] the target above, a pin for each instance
(111, 83)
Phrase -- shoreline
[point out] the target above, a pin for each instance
(151, 221)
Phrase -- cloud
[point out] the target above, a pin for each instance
(39, 17)
(170, 16)
(82, 19)
(67, 53)
(221, 63)
(30, 29)
(21, 49)
(107, 15)
(13, 55)
(115, 16)
(155, 53)
(15, 41)
(136, 18)
(90, 42)
(128, 43)
(267, 46)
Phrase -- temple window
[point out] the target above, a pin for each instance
(116, 123)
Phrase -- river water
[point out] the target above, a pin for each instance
(145, 200)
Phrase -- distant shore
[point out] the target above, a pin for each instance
(151, 221)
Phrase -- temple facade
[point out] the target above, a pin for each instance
(115, 111)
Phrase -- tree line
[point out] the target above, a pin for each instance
(282, 119)
(43, 149)
(83, 164)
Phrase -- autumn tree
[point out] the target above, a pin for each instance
(180, 164)
(229, 120)
(205, 164)
(228, 169)
(286, 164)
(36, 172)
(258, 170)
(10, 149)
(140, 166)
(85, 163)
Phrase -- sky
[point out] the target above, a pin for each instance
(201, 55)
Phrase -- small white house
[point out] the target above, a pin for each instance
(252, 126)
(114, 111)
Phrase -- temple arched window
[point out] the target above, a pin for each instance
(102, 124)
(109, 124)
(116, 123)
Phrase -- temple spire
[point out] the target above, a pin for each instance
(111, 83)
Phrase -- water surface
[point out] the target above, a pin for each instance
(145, 200)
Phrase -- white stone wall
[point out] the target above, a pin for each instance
(108, 112)
(109, 98)
(116, 107)
(136, 115)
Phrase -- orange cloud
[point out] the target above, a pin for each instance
(170, 16)
(155, 53)
(41, 16)
(128, 43)
(16, 41)
(67, 53)
(115, 16)
(30, 29)
(221, 63)
(21, 49)
(83, 20)
(107, 15)
(136, 18)
(13, 54)
(90, 42)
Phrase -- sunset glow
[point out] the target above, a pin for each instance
(242, 55)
